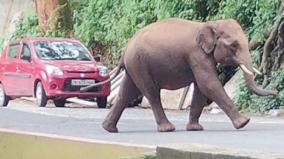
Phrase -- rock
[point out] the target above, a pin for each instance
(215, 111)
(275, 112)
(171, 99)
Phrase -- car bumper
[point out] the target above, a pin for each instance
(57, 87)
(59, 93)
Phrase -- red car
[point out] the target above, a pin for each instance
(50, 68)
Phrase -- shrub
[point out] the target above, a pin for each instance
(27, 26)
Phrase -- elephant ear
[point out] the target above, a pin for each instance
(206, 39)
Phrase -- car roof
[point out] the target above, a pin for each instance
(36, 39)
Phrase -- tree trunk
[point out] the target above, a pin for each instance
(273, 49)
(54, 15)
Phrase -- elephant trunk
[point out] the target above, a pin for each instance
(249, 78)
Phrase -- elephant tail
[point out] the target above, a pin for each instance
(116, 72)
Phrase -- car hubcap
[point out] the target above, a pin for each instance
(38, 93)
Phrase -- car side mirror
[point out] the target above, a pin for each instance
(97, 58)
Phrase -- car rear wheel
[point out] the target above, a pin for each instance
(59, 102)
(41, 97)
(102, 102)
(4, 99)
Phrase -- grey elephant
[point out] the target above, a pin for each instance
(174, 53)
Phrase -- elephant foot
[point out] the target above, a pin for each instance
(166, 127)
(241, 122)
(109, 127)
(194, 127)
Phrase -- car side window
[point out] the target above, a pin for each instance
(13, 49)
(26, 53)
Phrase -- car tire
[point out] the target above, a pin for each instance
(102, 102)
(4, 99)
(59, 102)
(40, 94)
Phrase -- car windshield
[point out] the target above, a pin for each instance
(63, 50)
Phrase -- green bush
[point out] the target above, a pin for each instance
(265, 14)
(27, 27)
(114, 22)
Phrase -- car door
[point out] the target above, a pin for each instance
(10, 81)
(26, 70)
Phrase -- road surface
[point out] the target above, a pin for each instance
(137, 126)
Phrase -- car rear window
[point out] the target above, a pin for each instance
(61, 50)
(13, 49)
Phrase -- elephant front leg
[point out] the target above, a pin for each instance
(197, 105)
(209, 85)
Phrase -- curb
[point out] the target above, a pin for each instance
(26, 145)
(199, 151)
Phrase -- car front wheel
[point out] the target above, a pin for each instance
(41, 97)
(102, 102)
(4, 99)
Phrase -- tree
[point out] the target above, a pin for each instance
(273, 49)
(54, 16)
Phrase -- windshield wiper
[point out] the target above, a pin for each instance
(67, 58)
(84, 59)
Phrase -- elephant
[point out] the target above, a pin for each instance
(173, 53)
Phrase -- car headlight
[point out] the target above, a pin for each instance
(103, 71)
(54, 70)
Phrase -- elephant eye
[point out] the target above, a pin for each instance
(234, 47)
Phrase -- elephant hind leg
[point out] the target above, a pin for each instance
(163, 124)
(198, 102)
(151, 91)
(143, 78)
(127, 92)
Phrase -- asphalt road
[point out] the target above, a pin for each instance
(265, 134)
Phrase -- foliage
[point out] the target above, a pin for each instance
(28, 26)
(265, 15)
(114, 22)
